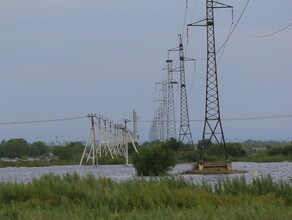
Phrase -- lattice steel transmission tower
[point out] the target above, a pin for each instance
(212, 127)
(171, 126)
(162, 111)
(185, 133)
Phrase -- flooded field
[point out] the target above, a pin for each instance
(278, 171)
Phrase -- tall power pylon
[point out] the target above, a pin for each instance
(171, 129)
(212, 127)
(185, 133)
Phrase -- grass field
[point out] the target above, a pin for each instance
(75, 197)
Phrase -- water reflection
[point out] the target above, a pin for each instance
(278, 171)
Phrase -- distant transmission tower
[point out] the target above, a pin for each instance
(185, 133)
(165, 111)
(212, 126)
(154, 130)
(171, 129)
(135, 129)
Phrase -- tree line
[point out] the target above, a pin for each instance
(18, 148)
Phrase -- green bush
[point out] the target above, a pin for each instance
(174, 144)
(155, 160)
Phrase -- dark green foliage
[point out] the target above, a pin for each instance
(72, 151)
(131, 148)
(155, 160)
(207, 144)
(235, 150)
(18, 148)
(150, 143)
(37, 149)
(14, 148)
(215, 151)
(275, 150)
(174, 144)
(188, 156)
(286, 150)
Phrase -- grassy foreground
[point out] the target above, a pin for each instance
(75, 197)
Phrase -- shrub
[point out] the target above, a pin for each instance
(174, 144)
(155, 160)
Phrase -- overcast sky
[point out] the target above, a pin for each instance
(67, 58)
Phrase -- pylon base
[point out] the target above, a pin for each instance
(211, 168)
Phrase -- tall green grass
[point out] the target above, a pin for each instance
(75, 197)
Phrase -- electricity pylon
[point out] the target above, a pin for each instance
(212, 126)
(185, 133)
(171, 126)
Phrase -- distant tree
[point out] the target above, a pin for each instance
(15, 148)
(235, 150)
(287, 150)
(38, 149)
(72, 151)
(274, 151)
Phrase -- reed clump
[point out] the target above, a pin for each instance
(74, 197)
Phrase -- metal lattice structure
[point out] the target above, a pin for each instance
(171, 125)
(212, 127)
(185, 133)
(106, 138)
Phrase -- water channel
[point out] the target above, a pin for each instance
(278, 171)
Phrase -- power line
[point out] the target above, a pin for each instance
(225, 42)
(185, 18)
(271, 34)
(41, 121)
(238, 119)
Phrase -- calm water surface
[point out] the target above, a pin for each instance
(278, 171)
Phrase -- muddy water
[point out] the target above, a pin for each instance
(278, 171)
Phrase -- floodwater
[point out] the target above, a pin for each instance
(278, 171)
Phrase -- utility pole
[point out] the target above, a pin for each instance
(212, 126)
(92, 154)
(93, 139)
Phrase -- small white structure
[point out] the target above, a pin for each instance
(107, 139)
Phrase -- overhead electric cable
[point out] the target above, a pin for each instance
(185, 18)
(271, 34)
(41, 121)
(222, 53)
(237, 22)
(238, 119)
